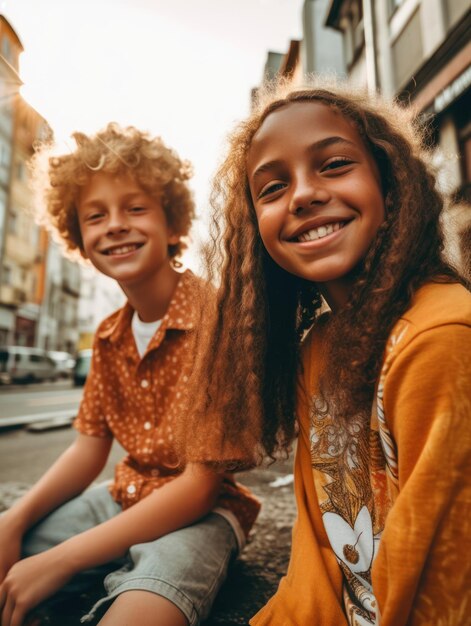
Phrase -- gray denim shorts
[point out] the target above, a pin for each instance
(187, 566)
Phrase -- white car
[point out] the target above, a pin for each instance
(64, 362)
(20, 364)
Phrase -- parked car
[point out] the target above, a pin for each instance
(20, 364)
(82, 366)
(64, 361)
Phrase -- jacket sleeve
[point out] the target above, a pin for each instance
(422, 573)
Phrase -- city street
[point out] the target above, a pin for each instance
(38, 402)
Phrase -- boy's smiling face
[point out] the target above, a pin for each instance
(124, 230)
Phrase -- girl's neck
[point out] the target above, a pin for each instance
(336, 292)
(151, 297)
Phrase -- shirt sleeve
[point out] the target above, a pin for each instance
(91, 418)
(422, 573)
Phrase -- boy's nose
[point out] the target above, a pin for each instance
(308, 194)
(117, 223)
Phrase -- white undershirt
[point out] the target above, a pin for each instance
(143, 332)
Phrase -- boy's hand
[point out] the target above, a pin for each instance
(29, 582)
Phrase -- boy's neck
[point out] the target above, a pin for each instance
(151, 301)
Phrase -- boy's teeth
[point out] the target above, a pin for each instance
(122, 250)
(320, 231)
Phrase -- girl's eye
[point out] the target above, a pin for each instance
(273, 188)
(136, 209)
(337, 163)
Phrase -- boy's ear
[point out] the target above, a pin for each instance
(173, 238)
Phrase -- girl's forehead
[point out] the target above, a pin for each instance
(310, 115)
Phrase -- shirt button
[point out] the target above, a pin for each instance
(131, 489)
(147, 426)
(144, 383)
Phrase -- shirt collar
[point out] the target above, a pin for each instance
(181, 313)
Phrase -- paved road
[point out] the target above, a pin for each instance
(25, 456)
(38, 402)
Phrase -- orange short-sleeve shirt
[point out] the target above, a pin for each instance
(139, 401)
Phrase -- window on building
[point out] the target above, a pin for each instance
(394, 4)
(6, 278)
(351, 24)
(5, 155)
(455, 10)
(6, 48)
(21, 171)
(12, 223)
(407, 50)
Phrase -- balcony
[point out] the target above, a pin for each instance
(20, 251)
(10, 295)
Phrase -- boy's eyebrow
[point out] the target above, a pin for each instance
(126, 198)
(317, 145)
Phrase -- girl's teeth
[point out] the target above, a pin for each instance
(321, 231)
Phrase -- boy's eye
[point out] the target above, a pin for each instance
(136, 209)
(336, 163)
(269, 189)
(93, 217)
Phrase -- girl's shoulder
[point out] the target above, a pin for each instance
(439, 312)
(437, 304)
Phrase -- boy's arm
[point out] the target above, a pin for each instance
(73, 471)
(175, 505)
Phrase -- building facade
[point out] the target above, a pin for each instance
(39, 287)
(418, 51)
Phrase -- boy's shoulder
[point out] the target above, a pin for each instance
(191, 294)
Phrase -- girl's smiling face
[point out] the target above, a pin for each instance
(316, 190)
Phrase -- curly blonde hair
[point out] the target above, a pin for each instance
(247, 365)
(115, 150)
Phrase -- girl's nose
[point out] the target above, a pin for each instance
(308, 194)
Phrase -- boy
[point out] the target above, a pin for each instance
(121, 199)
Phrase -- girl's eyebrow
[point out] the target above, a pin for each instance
(317, 145)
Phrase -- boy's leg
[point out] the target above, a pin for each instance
(185, 568)
(152, 609)
(92, 507)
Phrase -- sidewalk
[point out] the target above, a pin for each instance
(254, 576)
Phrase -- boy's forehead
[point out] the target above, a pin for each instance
(103, 187)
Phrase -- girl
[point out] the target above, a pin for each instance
(333, 260)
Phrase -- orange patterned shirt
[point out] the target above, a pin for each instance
(139, 401)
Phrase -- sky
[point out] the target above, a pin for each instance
(181, 69)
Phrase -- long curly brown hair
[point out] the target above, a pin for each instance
(115, 150)
(249, 358)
